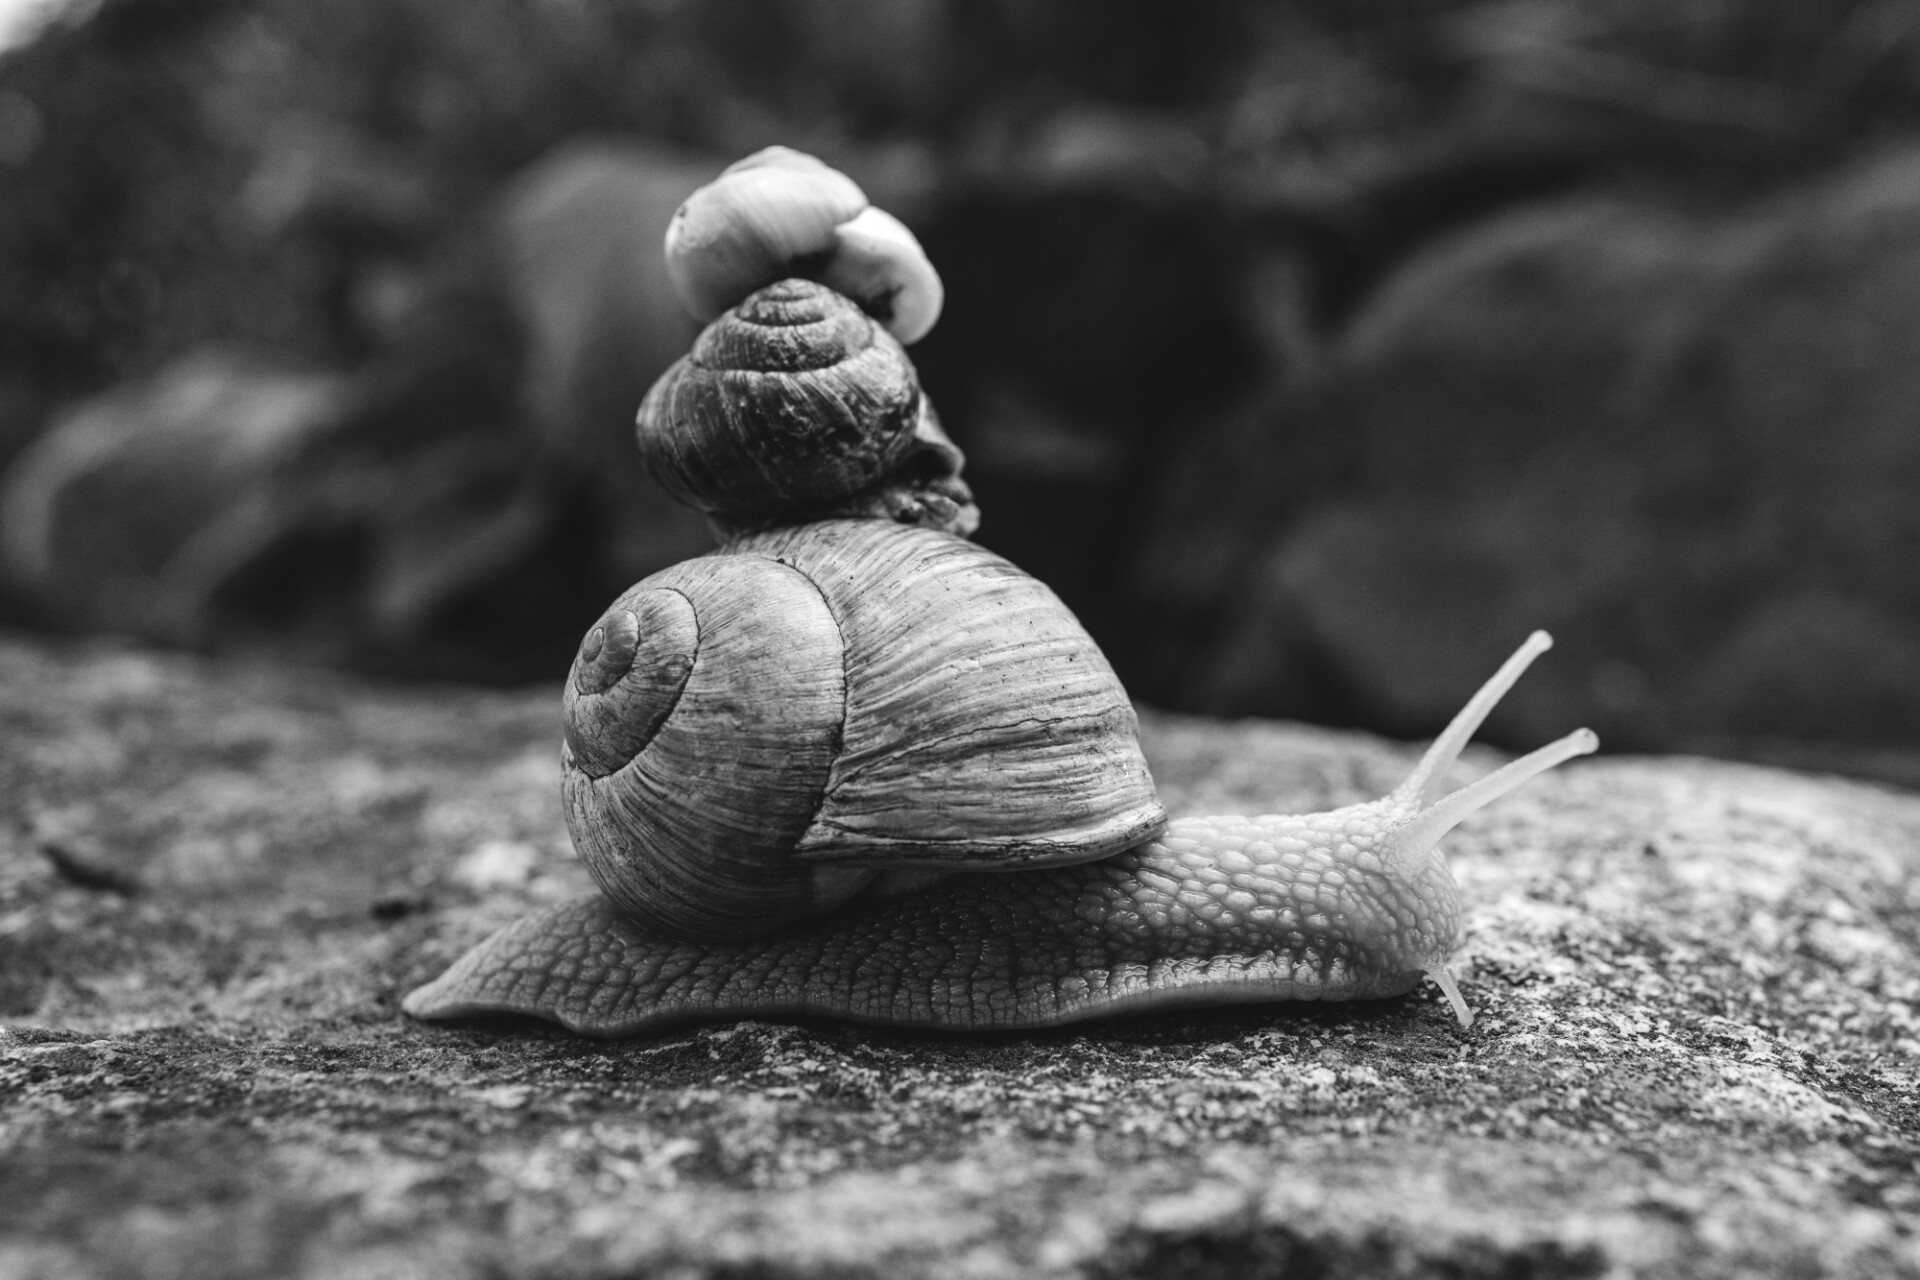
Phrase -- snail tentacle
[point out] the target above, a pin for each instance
(1424, 783)
(1423, 831)
(1443, 978)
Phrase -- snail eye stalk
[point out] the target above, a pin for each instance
(1412, 843)
(1422, 786)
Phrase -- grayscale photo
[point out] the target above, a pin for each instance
(959, 639)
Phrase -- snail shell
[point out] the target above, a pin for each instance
(796, 405)
(753, 736)
(780, 213)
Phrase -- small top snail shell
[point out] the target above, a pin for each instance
(796, 405)
(862, 767)
(780, 213)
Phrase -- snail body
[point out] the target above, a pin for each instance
(852, 764)
(1353, 903)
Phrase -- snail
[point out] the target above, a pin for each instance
(853, 764)
(1352, 903)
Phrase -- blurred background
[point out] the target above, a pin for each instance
(1313, 350)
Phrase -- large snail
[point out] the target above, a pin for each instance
(852, 764)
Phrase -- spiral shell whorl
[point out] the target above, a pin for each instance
(689, 777)
(793, 400)
(788, 327)
(628, 677)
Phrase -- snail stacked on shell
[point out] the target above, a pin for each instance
(852, 764)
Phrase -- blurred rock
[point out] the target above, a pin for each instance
(315, 175)
(1089, 328)
(580, 232)
(228, 502)
(1089, 145)
(1682, 440)
(1219, 490)
(136, 507)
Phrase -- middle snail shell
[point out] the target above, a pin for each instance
(796, 404)
(754, 735)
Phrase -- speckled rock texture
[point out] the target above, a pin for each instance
(1698, 1049)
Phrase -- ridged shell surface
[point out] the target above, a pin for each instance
(751, 735)
(697, 752)
(791, 400)
(984, 728)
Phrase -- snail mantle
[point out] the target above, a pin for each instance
(852, 764)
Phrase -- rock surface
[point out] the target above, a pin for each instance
(1697, 1052)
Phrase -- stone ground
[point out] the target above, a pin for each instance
(1698, 1046)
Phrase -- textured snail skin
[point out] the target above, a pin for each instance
(1218, 910)
(1349, 904)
